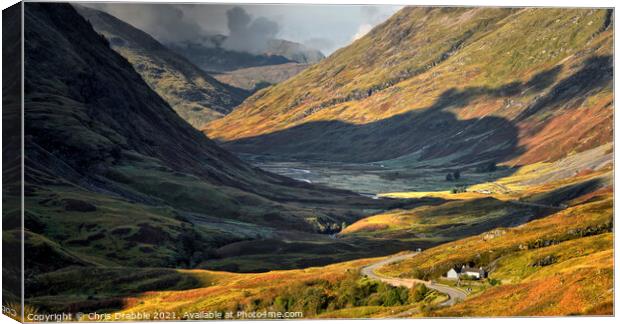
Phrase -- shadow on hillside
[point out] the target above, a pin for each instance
(434, 132)
(560, 197)
(595, 74)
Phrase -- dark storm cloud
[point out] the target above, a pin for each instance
(248, 34)
(322, 27)
(165, 22)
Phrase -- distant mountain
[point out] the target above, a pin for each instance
(218, 59)
(444, 87)
(211, 55)
(194, 95)
(256, 78)
(112, 172)
(294, 51)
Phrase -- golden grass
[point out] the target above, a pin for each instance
(578, 286)
(232, 290)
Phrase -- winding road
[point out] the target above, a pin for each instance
(454, 294)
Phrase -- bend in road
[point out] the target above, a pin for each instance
(454, 294)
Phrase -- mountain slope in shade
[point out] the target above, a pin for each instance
(211, 55)
(444, 86)
(218, 59)
(194, 95)
(112, 172)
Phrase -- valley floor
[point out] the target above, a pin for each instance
(548, 246)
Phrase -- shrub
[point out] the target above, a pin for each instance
(315, 297)
(458, 189)
(545, 261)
(418, 293)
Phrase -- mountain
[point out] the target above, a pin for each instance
(258, 77)
(444, 87)
(121, 193)
(195, 96)
(11, 156)
(114, 174)
(211, 55)
(217, 59)
(250, 71)
(293, 51)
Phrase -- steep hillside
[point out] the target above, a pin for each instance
(11, 158)
(443, 86)
(558, 265)
(114, 174)
(192, 93)
(256, 78)
(211, 54)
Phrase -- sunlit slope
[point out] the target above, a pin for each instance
(561, 264)
(558, 265)
(257, 77)
(193, 94)
(455, 85)
(333, 291)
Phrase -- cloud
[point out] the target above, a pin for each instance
(322, 27)
(165, 22)
(322, 44)
(248, 34)
(371, 16)
(361, 31)
(238, 19)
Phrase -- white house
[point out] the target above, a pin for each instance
(456, 273)
(478, 273)
(452, 274)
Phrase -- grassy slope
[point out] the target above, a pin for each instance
(136, 175)
(578, 280)
(113, 173)
(508, 201)
(333, 291)
(195, 96)
(518, 76)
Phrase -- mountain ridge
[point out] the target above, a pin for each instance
(446, 60)
(195, 95)
(123, 173)
(211, 55)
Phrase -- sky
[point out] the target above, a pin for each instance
(322, 27)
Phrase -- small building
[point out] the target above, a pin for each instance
(457, 273)
(452, 274)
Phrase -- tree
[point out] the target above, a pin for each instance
(418, 293)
